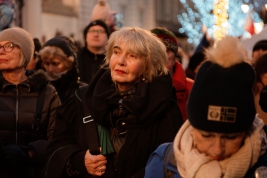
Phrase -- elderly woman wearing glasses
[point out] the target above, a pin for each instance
(27, 108)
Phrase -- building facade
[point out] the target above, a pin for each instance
(46, 18)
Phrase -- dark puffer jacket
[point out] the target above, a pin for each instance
(17, 110)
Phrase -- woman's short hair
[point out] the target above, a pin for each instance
(145, 44)
(49, 52)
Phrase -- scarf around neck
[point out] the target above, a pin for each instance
(191, 163)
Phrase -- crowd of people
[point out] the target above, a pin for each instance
(125, 106)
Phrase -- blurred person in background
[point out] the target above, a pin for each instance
(35, 63)
(91, 56)
(102, 11)
(258, 49)
(195, 62)
(181, 83)
(59, 59)
(260, 67)
(27, 108)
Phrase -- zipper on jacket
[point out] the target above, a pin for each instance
(17, 112)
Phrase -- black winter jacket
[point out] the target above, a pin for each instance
(17, 110)
(67, 84)
(157, 120)
(88, 64)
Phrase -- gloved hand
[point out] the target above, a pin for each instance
(15, 159)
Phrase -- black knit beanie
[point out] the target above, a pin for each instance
(93, 23)
(222, 99)
(65, 44)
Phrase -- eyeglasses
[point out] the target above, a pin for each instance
(98, 31)
(8, 47)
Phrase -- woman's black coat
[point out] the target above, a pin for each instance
(157, 120)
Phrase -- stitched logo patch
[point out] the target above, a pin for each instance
(222, 114)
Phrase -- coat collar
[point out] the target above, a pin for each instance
(33, 83)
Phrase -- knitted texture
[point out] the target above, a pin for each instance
(167, 37)
(101, 11)
(221, 99)
(65, 44)
(93, 23)
(21, 38)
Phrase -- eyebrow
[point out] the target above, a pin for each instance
(116, 47)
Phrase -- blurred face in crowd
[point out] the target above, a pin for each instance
(96, 36)
(264, 79)
(10, 56)
(170, 60)
(54, 65)
(218, 145)
(125, 66)
(256, 54)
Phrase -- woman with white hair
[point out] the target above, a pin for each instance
(132, 98)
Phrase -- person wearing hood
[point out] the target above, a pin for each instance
(28, 106)
(59, 60)
(223, 137)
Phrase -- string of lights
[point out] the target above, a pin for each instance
(220, 17)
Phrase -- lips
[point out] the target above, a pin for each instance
(3, 60)
(218, 158)
(119, 71)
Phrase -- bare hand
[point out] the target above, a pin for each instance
(95, 164)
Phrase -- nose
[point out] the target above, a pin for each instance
(50, 69)
(218, 147)
(2, 49)
(121, 60)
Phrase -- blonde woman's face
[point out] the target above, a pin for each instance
(125, 67)
(54, 65)
(10, 60)
(217, 145)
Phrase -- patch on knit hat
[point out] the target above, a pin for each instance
(167, 37)
(222, 114)
(221, 99)
(22, 38)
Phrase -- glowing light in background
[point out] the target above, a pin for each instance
(229, 17)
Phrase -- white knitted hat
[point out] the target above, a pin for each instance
(101, 11)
